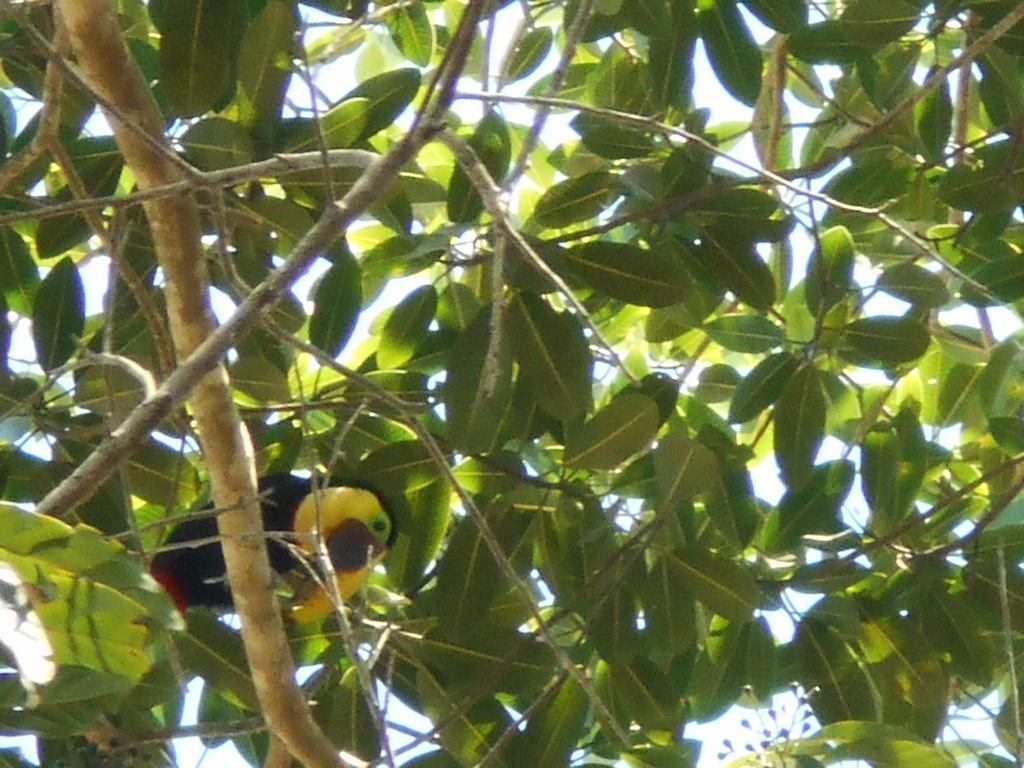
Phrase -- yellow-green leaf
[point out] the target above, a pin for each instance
(626, 425)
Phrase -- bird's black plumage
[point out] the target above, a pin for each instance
(196, 575)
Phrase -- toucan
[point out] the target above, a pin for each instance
(353, 519)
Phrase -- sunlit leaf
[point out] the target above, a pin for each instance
(412, 32)
(529, 50)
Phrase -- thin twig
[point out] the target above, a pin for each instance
(489, 193)
(441, 461)
(278, 165)
(572, 36)
(782, 179)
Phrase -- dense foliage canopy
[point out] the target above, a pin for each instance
(678, 408)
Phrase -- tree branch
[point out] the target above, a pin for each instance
(489, 193)
(111, 73)
(109, 68)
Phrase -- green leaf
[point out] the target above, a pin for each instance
(19, 275)
(813, 507)
(878, 749)
(735, 56)
(337, 302)
(668, 610)
(744, 333)
(468, 577)
(259, 378)
(877, 175)
(526, 661)
(652, 17)
(781, 15)
(998, 382)
(1000, 88)
(477, 395)
(576, 199)
(735, 264)
(670, 69)
(617, 82)
(846, 691)
(989, 183)
(952, 620)
(830, 274)
(914, 284)
(527, 53)
(98, 163)
(58, 314)
(92, 603)
(1008, 431)
(407, 327)
(626, 425)
(606, 138)
(761, 387)
(342, 713)
(551, 734)
(824, 43)
(719, 583)
(647, 694)
(893, 464)
(889, 341)
(412, 32)
(198, 43)
(341, 126)
(874, 23)
(470, 733)
(553, 356)
(731, 505)
(652, 278)
(1002, 277)
(614, 625)
(933, 119)
(161, 475)
(492, 145)
(216, 143)
(958, 392)
(716, 383)
(215, 652)
(744, 213)
(387, 95)
(264, 66)
(682, 469)
(456, 306)
(799, 415)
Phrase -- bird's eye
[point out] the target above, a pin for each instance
(380, 525)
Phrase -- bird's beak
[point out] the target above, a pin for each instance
(352, 546)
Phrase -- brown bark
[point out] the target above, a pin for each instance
(108, 68)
